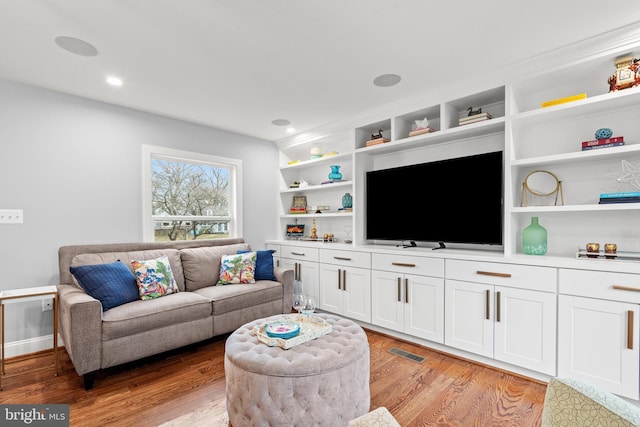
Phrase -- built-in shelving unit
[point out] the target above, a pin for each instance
(580, 304)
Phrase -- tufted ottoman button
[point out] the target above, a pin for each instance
(323, 382)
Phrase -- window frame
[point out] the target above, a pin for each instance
(150, 152)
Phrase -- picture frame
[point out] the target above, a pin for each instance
(295, 230)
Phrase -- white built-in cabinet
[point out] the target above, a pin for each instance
(407, 295)
(503, 311)
(598, 326)
(345, 283)
(551, 314)
(304, 262)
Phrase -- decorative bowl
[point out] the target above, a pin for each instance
(282, 329)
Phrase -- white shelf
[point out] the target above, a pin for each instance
(620, 152)
(478, 129)
(318, 187)
(577, 208)
(606, 102)
(327, 159)
(320, 215)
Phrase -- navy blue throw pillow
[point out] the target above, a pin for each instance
(112, 284)
(264, 264)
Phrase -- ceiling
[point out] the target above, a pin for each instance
(238, 65)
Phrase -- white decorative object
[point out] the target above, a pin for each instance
(311, 327)
(630, 176)
(303, 184)
(422, 124)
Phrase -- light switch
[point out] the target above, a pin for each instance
(11, 216)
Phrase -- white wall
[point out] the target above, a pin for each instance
(74, 167)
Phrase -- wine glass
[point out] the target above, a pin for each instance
(308, 306)
(298, 300)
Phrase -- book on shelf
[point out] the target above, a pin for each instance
(603, 141)
(475, 116)
(596, 147)
(620, 194)
(476, 120)
(564, 100)
(604, 201)
(376, 142)
(421, 131)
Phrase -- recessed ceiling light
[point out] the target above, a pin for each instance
(114, 81)
(291, 130)
(76, 46)
(280, 122)
(386, 80)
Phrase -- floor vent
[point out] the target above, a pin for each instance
(406, 355)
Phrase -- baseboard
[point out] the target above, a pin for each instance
(31, 345)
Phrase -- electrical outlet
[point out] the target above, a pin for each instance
(47, 304)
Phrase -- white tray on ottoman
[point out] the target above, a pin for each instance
(311, 327)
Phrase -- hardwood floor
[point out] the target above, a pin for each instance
(441, 391)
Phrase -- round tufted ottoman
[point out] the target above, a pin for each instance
(323, 382)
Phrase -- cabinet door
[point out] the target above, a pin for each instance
(308, 274)
(424, 307)
(598, 342)
(387, 306)
(330, 288)
(468, 317)
(356, 290)
(525, 328)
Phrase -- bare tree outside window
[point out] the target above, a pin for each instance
(191, 196)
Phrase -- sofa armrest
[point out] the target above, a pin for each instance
(80, 324)
(285, 276)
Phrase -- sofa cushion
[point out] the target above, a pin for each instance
(146, 315)
(264, 265)
(236, 297)
(154, 277)
(127, 257)
(112, 284)
(237, 269)
(201, 266)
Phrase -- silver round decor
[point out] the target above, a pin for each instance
(76, 46)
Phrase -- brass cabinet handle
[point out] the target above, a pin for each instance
(406, 290)
(630, 329)
(344, 280)
(487, 302)
(402, 264)
(498, 306)
(626, 288)
(491, 273)
(339, 279)
(399, 290)
(342, 258)
(298, 253)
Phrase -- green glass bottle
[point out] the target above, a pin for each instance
(534, 238)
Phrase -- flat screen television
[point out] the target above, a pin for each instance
(457, 201)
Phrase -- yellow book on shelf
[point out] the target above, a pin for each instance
(563, 100)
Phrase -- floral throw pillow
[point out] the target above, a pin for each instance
(238, 268)
(154, 278)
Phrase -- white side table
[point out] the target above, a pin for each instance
(27, 294)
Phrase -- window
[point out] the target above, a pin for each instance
(190, 196)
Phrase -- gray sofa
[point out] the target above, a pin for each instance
(200, 310)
